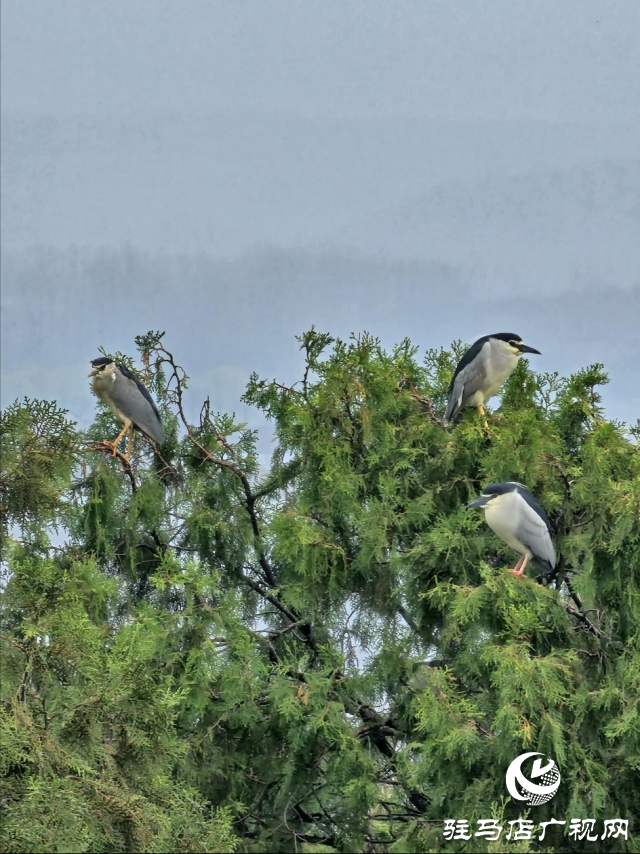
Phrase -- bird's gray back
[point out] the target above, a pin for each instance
(133, 399)
(534, 529)
(467, 380)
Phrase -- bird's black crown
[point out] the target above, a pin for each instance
(506, 336)
(101, 362)
(502, 488)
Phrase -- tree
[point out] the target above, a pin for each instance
(327, 655)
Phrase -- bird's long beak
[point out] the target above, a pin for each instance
(524, 349)
(479, 502)
(92, 372)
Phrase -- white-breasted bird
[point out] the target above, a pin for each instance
(516, 517)
(483, 369)
(129, 401)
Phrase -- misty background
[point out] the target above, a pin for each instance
(233, 173)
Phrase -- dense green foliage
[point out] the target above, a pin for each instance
(203, 653)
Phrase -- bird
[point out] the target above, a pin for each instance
(516, 517)
(128, 399)
(482, 370)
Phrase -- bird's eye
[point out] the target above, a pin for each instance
(515, 343)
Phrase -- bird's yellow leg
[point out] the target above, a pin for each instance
(114, 445)
(518, 569)
(483, 414)
(127, 456)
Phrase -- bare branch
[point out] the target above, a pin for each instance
(126, 465)
(404, 385)
(580, 615)
(179, 376)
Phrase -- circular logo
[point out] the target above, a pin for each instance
(546, 777)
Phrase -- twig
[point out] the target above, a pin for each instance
(557, 465)
(589, 626)
(424, 401)
(250, 498)
(408, 619)
(574, 595)
(288, 388)
(276, 633)
(290, 615)
(126, 465)
(15, 643)
(205, 416)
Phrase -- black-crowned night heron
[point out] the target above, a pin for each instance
(129, 401)
(483, 369)
(517, 518)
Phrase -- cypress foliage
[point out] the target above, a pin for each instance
(327, 655)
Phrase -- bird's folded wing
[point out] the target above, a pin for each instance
(464, 385)
(533, 531)
(139, 407)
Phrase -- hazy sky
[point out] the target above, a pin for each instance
(503, 59)
(236, 171)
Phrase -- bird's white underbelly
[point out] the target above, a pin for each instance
(499, 369)
(101, 386)
(500, 518)
(477, 398)
(116, 411)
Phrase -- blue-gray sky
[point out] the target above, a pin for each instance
(236, 171)
(503, 60)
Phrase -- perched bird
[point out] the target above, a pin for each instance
(517, 518)
(129, 401)
(483, 369)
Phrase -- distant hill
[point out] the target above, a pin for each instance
(235, 233)
(225, 319)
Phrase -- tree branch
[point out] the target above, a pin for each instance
(290, 615)
(126, 465)
(580, 615)
(178, 374)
